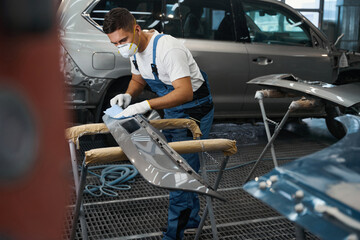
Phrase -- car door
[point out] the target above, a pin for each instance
(207, 28)
(281, 42)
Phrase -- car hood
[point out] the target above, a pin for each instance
(345, 95)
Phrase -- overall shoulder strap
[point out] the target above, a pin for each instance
(153, 65)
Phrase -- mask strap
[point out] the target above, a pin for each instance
(133, 42)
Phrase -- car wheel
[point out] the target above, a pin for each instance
(336, 128)
(348, 77)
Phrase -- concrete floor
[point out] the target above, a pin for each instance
(140, 212)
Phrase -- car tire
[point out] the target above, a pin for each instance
(348, 77)
(335, 127)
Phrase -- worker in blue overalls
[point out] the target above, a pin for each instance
(167, 66)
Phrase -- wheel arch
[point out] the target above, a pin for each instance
(348, 75)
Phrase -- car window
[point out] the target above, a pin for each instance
(146, 12)
(201, 19)
(271, 25)
(172, 20)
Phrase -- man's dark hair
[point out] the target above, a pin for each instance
(118, 18)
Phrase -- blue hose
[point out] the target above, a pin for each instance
(112, 178)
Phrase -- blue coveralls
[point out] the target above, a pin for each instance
(184, 206)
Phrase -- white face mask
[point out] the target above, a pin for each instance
(128, 50)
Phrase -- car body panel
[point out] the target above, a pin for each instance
(320, 191)
(346, 95)
(155, 160)
(82, 40)
(296, 60)
(215, 56)
(82, 49)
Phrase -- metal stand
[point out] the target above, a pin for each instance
(294, 105)
(260, 97)
(80, 185)
(299, 233)
(209, 206)
(79, 188)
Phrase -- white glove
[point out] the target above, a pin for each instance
(137, 108)
(123, 100)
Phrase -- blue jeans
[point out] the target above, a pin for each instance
(184, 206)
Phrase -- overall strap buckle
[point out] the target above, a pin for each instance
(135, 65)
(154, 69)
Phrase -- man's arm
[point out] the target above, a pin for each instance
(181, 94)
(136, 85)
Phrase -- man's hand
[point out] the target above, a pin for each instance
(137, 108)
(123, 100)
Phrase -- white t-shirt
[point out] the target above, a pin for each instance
(173, 61)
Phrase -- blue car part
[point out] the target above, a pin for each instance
(321, 191)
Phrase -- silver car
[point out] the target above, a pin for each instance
(233, 41)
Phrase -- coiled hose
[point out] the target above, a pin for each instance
(112, 178)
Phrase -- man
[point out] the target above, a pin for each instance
(168, 67)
